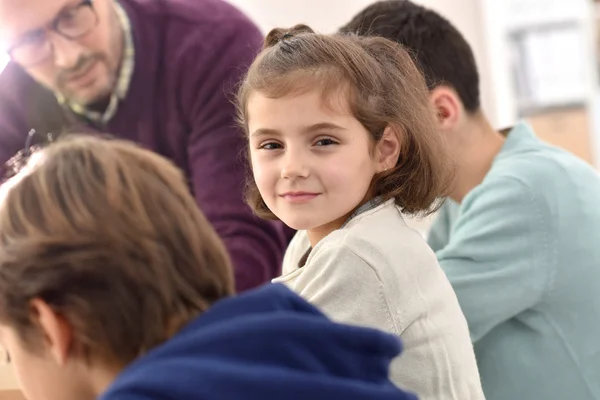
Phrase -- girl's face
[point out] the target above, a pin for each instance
(312, 164)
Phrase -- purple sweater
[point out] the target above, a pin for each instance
(189, 56)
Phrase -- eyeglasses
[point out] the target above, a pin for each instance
(73, 23)
(19, 160)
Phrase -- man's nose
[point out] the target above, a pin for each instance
(66, 52)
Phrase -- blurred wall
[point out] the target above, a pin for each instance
(328, 15)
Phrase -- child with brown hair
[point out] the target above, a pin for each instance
(113, 285)
(342, 141)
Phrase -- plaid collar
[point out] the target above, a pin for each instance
(123, 80)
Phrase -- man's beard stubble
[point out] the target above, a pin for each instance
(96, 101)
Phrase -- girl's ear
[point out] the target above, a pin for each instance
(387, 149)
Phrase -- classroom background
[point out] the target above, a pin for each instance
(538, 60)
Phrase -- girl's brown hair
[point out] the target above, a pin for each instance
(383, 87)
(109, 236)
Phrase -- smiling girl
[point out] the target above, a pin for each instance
(342, 142)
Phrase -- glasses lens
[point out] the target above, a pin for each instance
(76, 22)
(72, 24)
(31, 51)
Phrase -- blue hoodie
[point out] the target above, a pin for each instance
(265, 344)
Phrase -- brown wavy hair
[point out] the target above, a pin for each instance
(383, 87)
(109, 236)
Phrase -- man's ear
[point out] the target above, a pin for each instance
(56, 330)
(448, 107)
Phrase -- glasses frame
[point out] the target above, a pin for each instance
(55, 27)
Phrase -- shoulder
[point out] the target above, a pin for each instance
(543, 170)
(507, 220)
(504, 200)
(208, 45)
(381, 227)
(201, 11)
(529, 188)
(204, 22)
(381, 238)
(379, 251)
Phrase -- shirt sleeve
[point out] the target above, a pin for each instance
(346, 288)
(216, 148)
(499, 256)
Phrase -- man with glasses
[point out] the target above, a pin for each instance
(158, 72)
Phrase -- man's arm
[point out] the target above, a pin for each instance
(216, 152)
(499, 259)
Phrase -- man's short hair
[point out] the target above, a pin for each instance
(438, 48)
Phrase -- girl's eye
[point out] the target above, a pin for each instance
(270, 146)
(325, 142)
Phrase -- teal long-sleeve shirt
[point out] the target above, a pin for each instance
(522, 252)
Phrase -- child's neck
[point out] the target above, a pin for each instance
(317, 234)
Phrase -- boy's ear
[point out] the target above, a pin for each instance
(447, 106)
(388, 149)
(57, 332)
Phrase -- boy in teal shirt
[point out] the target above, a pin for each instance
(519, 238)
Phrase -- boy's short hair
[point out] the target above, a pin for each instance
(438, 48)
(109, 236)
